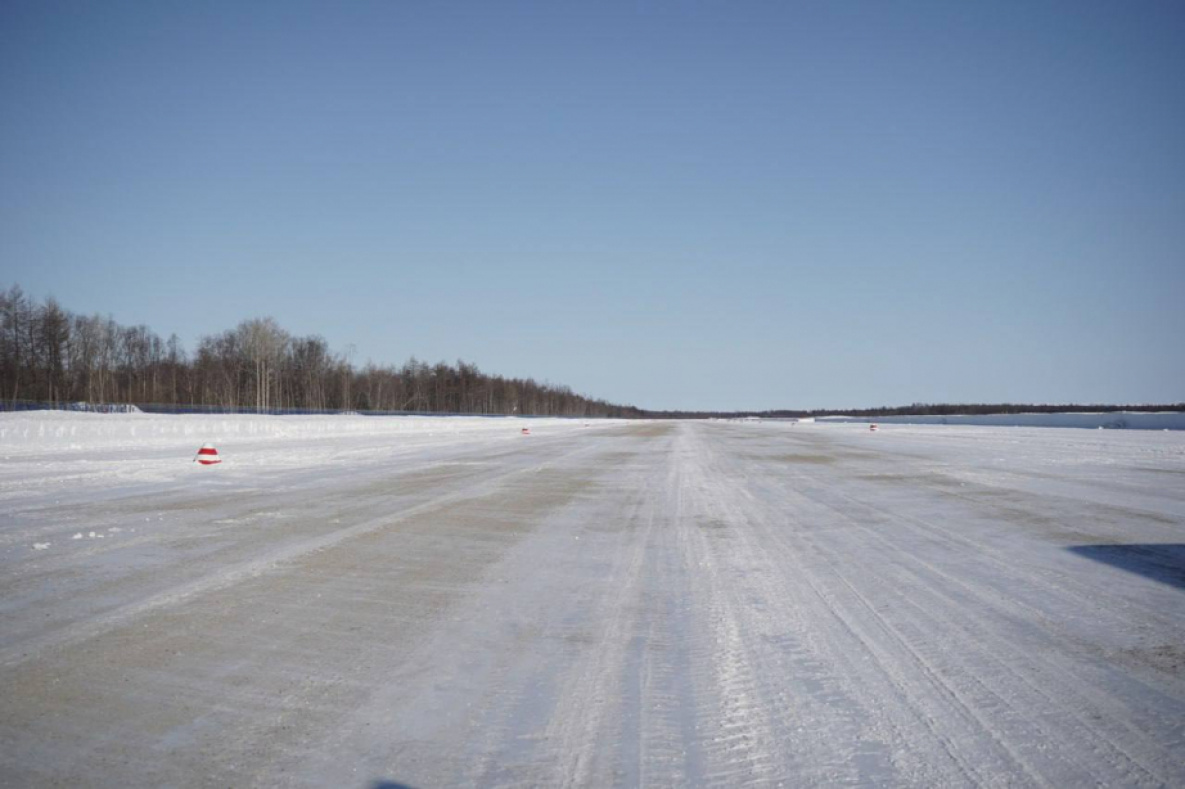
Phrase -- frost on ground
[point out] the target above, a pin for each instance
(454, 603)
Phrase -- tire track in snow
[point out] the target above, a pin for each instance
(589, 699)
(668, 755)
(752, 727)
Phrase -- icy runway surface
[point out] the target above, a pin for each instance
(358, 604)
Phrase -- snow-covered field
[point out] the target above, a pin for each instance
(366, 602)
(1111, 420)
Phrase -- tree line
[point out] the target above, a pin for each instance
(48, 354)
(920, 409)
(980, 409)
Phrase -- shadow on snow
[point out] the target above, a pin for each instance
(1164, 562)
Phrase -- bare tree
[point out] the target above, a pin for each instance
(264, 343)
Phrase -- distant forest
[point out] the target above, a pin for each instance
(50, 355)
(918, 409)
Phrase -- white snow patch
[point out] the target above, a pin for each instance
(1116, 420)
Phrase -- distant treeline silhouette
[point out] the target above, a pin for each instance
(918, 409)
(53, 356)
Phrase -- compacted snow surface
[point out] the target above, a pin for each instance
(367, 602)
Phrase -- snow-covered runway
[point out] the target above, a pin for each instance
(360, 603)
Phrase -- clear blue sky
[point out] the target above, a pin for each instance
(675, 205)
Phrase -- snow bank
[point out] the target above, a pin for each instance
(1129, 420)
(49, 431)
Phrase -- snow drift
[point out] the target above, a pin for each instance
(49, 431)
